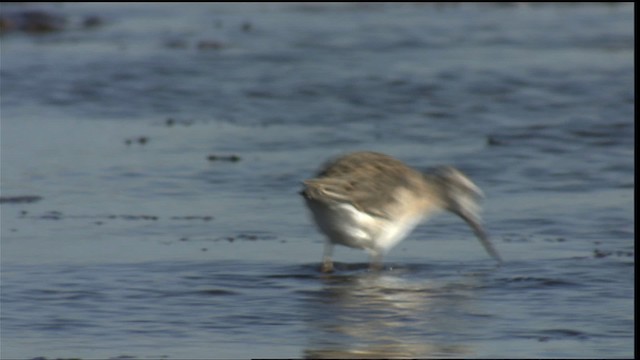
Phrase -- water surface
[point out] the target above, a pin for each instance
(141, 245)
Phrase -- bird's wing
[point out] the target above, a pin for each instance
(352, 182)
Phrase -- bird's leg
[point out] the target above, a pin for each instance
(375, 263)
(327, 264)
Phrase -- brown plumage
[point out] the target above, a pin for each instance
(371, 201)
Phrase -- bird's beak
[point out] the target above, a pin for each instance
(474, 222)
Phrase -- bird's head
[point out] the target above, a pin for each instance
(461, 196)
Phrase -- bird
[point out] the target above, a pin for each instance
(371, 201)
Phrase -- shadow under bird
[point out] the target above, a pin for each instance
(372, 201)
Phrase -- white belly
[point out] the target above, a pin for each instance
(348, 226)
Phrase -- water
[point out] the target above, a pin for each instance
(146, 249)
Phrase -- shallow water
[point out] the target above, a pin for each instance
(141, 246)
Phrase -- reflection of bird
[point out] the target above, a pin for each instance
(391, 315)
(371, 201)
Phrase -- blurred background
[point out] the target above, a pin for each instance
(151, 156)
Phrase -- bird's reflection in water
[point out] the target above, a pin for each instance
(389, 315)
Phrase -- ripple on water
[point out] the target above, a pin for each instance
(533, 282)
